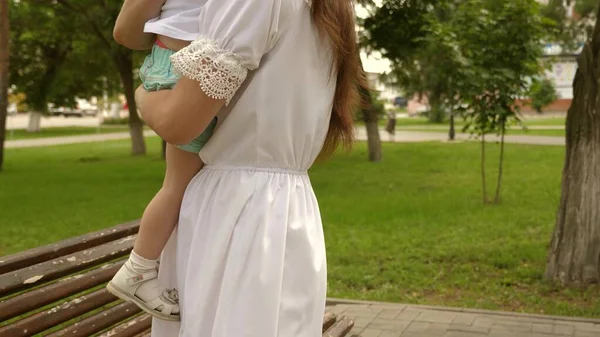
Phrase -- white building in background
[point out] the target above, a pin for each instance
(562, 70)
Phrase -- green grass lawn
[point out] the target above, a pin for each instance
(409, 229)
(514, 131)
(534, 132)
(544, 121)
(63, 131)
(530, 121)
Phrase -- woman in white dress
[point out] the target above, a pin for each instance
(248, 256)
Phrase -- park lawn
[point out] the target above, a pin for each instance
(531, 121)
(514, 131)
(409, 229)
(527, 121)
(63, 131)
(537, 132)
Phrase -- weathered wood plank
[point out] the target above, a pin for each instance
(64, 288)
(99, 322)
(41, 254)
(138, 325)
(340, 329)
(144, 334)
(328, 320)
(59, 314)
(54, 269)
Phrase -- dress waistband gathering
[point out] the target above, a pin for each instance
(213, 167)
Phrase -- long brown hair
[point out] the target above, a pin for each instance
(334, 20)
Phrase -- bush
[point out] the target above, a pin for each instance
(378, 106)
(542, 93)
(116, 121)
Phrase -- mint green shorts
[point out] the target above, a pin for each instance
(157, 73)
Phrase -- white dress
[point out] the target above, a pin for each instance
(248, 257)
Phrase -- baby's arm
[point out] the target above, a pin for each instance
(129, 28)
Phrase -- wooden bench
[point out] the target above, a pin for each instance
(58, 290)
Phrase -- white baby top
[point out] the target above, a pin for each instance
(178, 19)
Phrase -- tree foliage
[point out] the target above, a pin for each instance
(569, 31)
(53, 61)
(64, 49)
(404, 32)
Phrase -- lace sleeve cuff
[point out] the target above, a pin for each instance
(219, 72)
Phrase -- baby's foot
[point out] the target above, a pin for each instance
(141, 287)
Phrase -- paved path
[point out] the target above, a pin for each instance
(397, 320)
(400, 137)
(20, 121)
(51, 141)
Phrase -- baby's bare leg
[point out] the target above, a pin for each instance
(161, 214)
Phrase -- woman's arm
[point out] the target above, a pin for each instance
(129, 28)
(179, 115)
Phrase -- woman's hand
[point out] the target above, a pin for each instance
(178, 115)
(150, 103)
(140, 95)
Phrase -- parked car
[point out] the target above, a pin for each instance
(400, 102)
(74, 112)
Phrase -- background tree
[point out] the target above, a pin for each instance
(501, 42)
(404, 45)
(95, 21)
(573, 257)
(370, 117)
(4, 59)
(52, 61)
(380, 24)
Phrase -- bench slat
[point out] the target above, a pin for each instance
(62, 313)
(53, 269)
(72, 285)
(133, 327)
(144, 334)
(41, 254)
(328, 320)
(340, 329)
(99, 322)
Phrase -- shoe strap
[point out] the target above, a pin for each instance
(138, 278)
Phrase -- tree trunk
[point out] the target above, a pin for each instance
(35, 122)
(574, 253)
(370, 118)
(136, 126)
(452, 131)
(4, 58)
(500, 163)
(483, 180)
